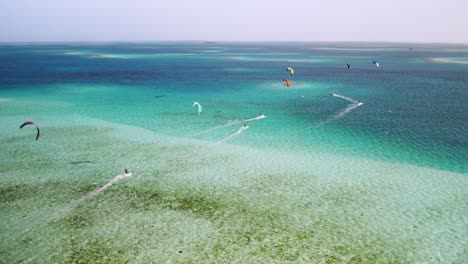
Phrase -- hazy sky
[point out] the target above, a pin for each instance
(235, 20)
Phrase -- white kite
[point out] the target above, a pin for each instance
(199, 107)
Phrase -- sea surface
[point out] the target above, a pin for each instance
(359, 165)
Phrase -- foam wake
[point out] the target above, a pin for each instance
(346, 110)
(107, 185)
(345, 98)
(354, 104)
(238, 132)
(62, 211)
(230, 123)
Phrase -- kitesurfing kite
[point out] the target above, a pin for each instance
(288, 82)
(290, 70)
(199, 107)
(376, 63)
(31, 123)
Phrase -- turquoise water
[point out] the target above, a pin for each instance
(331, 180)
(413, 112)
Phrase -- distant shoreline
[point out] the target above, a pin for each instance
(102, 42)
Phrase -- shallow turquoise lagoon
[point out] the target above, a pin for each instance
(374, 174)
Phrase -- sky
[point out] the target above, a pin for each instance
(444, 21)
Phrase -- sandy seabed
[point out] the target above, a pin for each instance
(193, 201)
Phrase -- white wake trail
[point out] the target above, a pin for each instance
(354, 104)
(346, 110)
(107, 185)
(230, 123)
(255, 118)
(238, 132)
(64, 210)
(346, 98)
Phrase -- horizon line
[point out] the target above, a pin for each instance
(234, 41)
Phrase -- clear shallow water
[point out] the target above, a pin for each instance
(327, 176)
